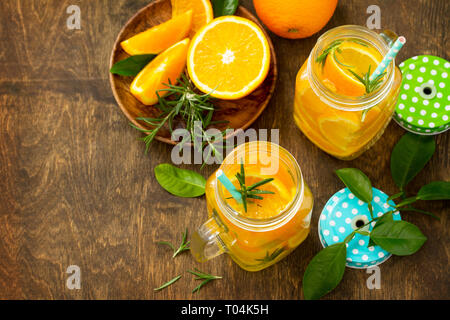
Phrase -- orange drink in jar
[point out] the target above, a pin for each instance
(271, 224)
(335, 105)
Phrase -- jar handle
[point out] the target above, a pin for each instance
(206, 243)
(389, 37)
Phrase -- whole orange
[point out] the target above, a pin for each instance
(295, 19)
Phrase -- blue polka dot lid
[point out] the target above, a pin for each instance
(342, 214)
(423, 105)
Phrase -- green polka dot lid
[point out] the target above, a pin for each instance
(342, 214)
(424, 101)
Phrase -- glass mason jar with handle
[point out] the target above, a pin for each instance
(336, 106)
(271, 225)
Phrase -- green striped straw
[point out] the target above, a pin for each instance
(389, 57)
(229, 186)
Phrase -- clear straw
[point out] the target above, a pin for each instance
(229, 186)
(390, 56)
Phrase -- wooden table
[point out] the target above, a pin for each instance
(76, 187)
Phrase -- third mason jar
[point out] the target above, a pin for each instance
(336, 105)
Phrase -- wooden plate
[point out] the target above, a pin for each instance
(240, 114)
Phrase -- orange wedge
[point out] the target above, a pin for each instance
(350, 56)
(165, 68)
(203, 12)
(339, 129)
(229, 58)
(159, 38)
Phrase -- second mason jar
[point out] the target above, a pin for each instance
(272, 224)
(336, 106)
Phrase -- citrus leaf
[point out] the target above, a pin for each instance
(180, 182)
(387, 217)
(131, 66)
(437, 190)
(357, 182)
(409, 157)
(224, 7)
(325, 271)
(398, 237)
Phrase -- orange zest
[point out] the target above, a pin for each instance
(165, 68)
(203, 12)
(161, 37)
(229, 58)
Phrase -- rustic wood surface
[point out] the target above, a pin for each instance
(77, 188)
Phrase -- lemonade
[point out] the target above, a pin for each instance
(334, 106)
(269, 228)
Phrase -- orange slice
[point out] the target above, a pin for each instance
(165, 68)
(229, 58)
(203, 12)
(372, 115)
(339, 129)
(159, 38)
(350, 56)
(271, 205)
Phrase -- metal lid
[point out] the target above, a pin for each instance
(423, 106)
(342, 214)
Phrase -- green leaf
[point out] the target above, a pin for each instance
(409, 157)
(406, 202)
(325, 271)
(357, 182)
(224, 7)
(437, 190)
(395, 196)
(387, 217)
(398, 237)
(180, 182)
(371, 243)
(131, 66)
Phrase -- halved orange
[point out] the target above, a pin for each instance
(350, 56)
(165, 68)
(203, 12)
(161, 37)
(229, 58)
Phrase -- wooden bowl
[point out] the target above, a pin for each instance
(240, 114)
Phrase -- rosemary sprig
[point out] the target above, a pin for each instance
(271, 257)
(339, 61)
(202, 276)
(194, 109)
(323, 57)
(362, 43)
(371, 85)
(251, 192)
(165, 285)
(333, 48)
(184, 246)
